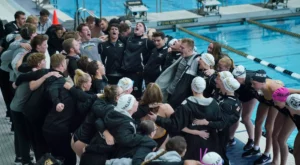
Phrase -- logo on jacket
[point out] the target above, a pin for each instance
(121, 45)
(140, 43)
(160, 54)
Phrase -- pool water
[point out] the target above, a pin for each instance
(116, 7)
(279, 49)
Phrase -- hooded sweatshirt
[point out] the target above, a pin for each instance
(170, 156)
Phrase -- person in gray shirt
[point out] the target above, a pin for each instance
(23, 92)
(88, 46)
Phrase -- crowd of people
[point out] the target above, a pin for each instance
(109, 93)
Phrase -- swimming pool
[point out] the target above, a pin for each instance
(274, 47)
(116, 7)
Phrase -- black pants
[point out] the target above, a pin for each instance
(93, 159)
(36, 136)
(113, 80)
(60, 146)
(22, 140)
(6, 89)
(137, 85)
(224, 138)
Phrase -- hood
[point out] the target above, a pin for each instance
(171, 156)
(200, 101)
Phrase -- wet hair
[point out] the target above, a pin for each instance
(152, 95)
(71, 34)
(110, 93)
(176, 143)
(80, 77)
(227, 61)
(146, 127)
(68, 44)
(34, 59)
(112, 25)
(82, 63)
(44, 12)
(27, 30)
(18, 14)
(123, 27)
(38, 40)
(92, 67)
(217, 51)
(114, 21)
(159, 34)
(89, 18)
(31, 19)
(57, 59)
(189, 42)
(80, 27)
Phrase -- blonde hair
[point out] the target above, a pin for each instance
(31, 19)
(80, 77)
(227, 61)
(189, 42)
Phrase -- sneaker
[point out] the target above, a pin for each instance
(18, 161)
(231, 142)
(263, 160)
(249, 145)
(251, 152)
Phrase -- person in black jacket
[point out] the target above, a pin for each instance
(136, 56)
(84, 134)
(156, 62)
(15, 25)
(192, 108)
(173, 52)
(57, 125)
(97, 71)
(71, 47)
(230, 110)
(112, 52)
(55, 33)
(122, 127)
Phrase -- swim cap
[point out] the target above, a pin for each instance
(260, 76)
(239, 72)
(281, 94)
(293, 101)
(212, 158)
(198, 84)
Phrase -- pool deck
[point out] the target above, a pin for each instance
(159, 20)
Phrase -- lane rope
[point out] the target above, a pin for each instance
(250, 57)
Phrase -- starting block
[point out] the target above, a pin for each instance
(212, 7)
(135, 9)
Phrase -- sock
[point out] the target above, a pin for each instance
(256, 148)
(267, 154)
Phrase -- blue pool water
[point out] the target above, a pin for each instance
(116, 7)
(271, 46)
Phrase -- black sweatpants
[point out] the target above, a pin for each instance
(137, 85)
(93, 159)
(224, 138)
(60, 146)
(38, 142)
(6, 89)
(113, 80)
(22, 140)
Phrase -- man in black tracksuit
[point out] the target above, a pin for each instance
(112, 52)
(57, 125)
(136, 56)
(157, 59)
